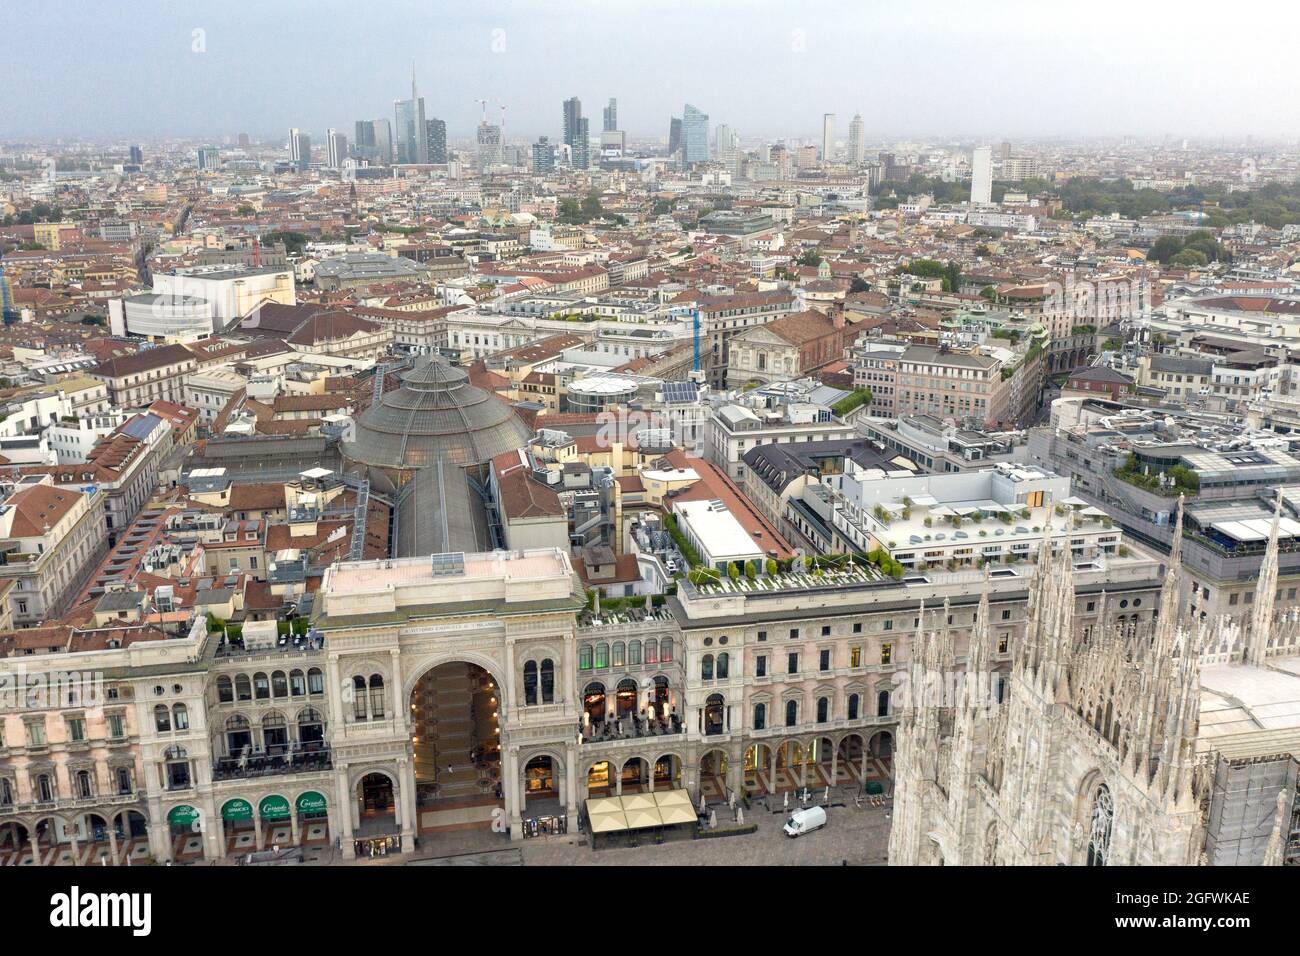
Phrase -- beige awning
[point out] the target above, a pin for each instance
(638, 801)
(640, 811)
(608, 822)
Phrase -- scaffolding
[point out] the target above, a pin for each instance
(1243, 809)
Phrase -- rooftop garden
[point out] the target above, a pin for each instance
(1176, 480)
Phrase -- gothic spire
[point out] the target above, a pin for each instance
(1261, 623)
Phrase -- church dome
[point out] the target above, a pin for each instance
(435, 415)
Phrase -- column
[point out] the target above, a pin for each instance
(405, 809)
(160, 842)
(343, 814)
(76, 847)
(259, 838)
(295, 834)
(510, 784)
(112, 843)
(835, 764)
(571, 780)
(611, 707)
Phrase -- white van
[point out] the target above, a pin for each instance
(805, 821)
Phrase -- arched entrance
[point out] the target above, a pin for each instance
(312, 812)
(600, 782)
(92, 836)
(667, 772)
(377, 831)
(185, 830)
(882, 746)
(758, 770)
(240, 828)
(713, 775)
(14, 848)
(635, 776)
(541, 782)
(823, 765)
(852, 760)
(456, 739)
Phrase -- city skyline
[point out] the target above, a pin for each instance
(201, 72)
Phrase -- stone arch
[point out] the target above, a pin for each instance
(429, 662)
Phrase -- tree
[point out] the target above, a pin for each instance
(810, 258)
(1189, 258)
(859, 285)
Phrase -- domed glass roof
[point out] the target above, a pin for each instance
(435, 414)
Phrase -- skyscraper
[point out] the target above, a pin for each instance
(543, 155)
(828, 136)
(299, 149)
(137, 156)
(374, 141)
(336, 148)
(489, 145)
(576, 135)
(410, 127)
(695, 136)
(611, 116)
(726, 148)
(674, 135)
(981, 180)
(436, 135)
(857, 148)
(208, 158)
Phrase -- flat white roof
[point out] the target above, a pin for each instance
(716, 529)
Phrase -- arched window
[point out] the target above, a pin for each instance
(548, 681)
(238, 735)
(706, 667)
(123, 780)
(634, 652)
(225, 690)
(652, 652)
(181, 717)
(823, 709)
(724, 662)
(714, 714)
(376, 696)
(882, 704)
(853, 706)
(1100, 822)
(279, 686)
(358, 697)
(315, 681)
(311, 729)
(620, 654)
(297, 684)
(275, 734)
(243, 689)
(602, 655)
(6, 793)
(261, 687)
(791, 713)
(666, 651)
(530, 682)
(85, 788)
(584, 657)
(177, 768)
(44, 788)
(162, 718)
(760, 716)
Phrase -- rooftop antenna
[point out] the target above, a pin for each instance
(413, 96)
(503, 124)
(483, 103)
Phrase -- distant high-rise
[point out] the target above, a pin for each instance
(1004, 151)
(981, 180)
(410, 128)
(208, 158)
(576, 135)
(543, 155)
(243, 141)
(695, 136)
(436, 135)
(299, 149)
(674, 135)
(137, 156)
(374, 141)
(489, 145)
(727, 146)
(828, 136)
(336, 148)
(857, 148)
(611, 116)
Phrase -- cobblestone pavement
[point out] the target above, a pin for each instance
(859, 836)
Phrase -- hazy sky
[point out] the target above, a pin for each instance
(975, 68)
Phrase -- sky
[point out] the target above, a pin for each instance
(985, 69)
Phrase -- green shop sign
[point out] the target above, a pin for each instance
(237, 810)
(311, 802)
(273, 808)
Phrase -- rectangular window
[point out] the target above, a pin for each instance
(76, 729)
(115, 728)
(792, 664)
(760, 666)
(826, 630)
(886, 653)
(855, 656)
(824, 660)
(794, 632)
(35, 733)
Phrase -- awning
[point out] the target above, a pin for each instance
(608, 823)
(273, 807)
(640, 811)
(183, 816)
(311, 802)
(237, 810)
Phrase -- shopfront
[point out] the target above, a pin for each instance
(313, 817)
(237, 817)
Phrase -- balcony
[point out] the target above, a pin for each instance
(632, 727)
(312, 758)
